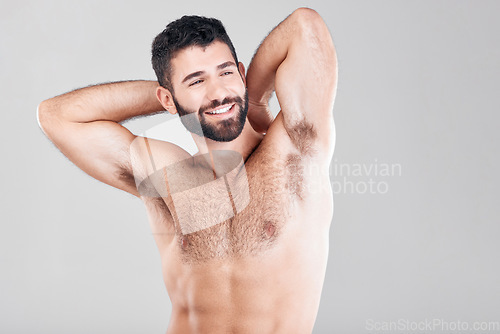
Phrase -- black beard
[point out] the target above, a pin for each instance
(224, 131)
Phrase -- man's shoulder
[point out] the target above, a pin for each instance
(148, 156)
(159, 151)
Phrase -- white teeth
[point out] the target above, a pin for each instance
(220, 111)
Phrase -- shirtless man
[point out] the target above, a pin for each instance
(241, 226)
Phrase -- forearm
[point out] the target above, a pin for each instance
(267, 59)
(116, 102)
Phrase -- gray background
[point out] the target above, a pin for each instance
(418, 86)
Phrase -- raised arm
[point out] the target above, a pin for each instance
(298, 60)
(83, 124)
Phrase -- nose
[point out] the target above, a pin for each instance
(216, 91)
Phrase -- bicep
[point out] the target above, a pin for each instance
(100, 148)
(306, 82)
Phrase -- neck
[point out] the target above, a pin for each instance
(244, 144)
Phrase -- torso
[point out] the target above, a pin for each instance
(251, 259)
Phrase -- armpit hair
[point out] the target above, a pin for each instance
(303, 135)
(126, 175)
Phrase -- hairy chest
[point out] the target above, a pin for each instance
(240, 209)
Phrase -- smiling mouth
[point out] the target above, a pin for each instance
(221, 111)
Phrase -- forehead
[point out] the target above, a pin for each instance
(196, 58)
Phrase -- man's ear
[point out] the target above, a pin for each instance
(167, 101)
(241, 68)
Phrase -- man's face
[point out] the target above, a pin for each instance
(209, 91)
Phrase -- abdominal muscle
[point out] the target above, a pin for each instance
(276, 291)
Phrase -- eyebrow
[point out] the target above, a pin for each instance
(198, 73)
(226, 64)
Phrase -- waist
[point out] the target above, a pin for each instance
(246, 297)
(241, 319)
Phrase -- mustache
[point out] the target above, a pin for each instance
(218, 103)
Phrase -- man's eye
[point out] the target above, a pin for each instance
(227, 73)
(195, 83)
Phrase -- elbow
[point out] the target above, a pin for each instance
(40, 115)
(43, 115)
(313, 31)
(306, 12)
(311, 27)
(307, 18)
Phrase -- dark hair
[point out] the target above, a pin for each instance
(180, 34)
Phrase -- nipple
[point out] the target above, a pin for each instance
(184, 242)
(270, 229)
